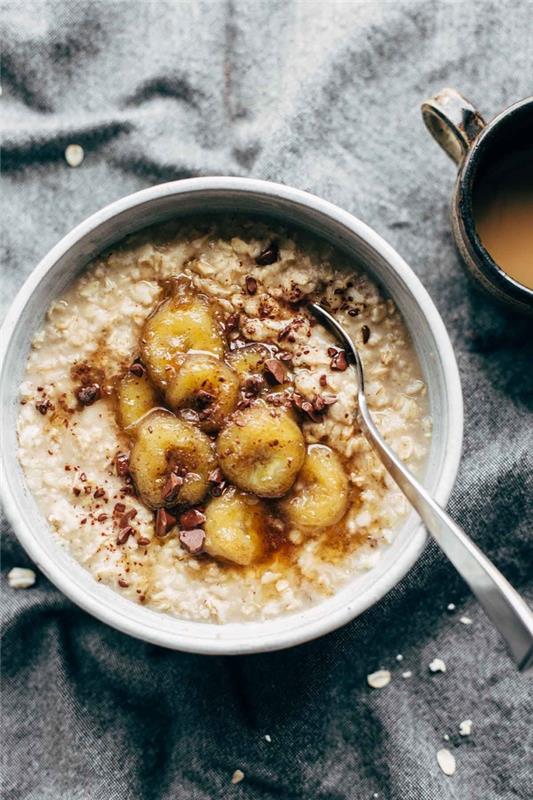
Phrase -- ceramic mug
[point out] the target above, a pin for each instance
(475, 146)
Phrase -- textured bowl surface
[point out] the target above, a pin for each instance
(368, 250)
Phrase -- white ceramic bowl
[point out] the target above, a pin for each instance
(181, 198)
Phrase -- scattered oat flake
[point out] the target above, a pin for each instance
(450, 607)
(379, 679)
(21, 578)
(465, 620)
(268, 737)
(237, 776)
(437, 665)
(446, 737)
(407, 674)
(446, 761)
(399, 657)
(74, 155)
(465, 727)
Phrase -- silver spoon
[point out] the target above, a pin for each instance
(507, 610)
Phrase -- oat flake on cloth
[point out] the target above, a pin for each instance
(325, 97)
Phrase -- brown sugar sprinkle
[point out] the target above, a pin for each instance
(172, 486)
(122, 464)
(87, 395)
(99, 493)
(192, 540)
(251, 284)
(268, 256)
(83, 476)
(192, 518)
(124, 535)
(164, 521)
(127, 517)
(365, 333)
(76, 491)
(137, 369)
(101, 517)
(124, 584)
(276, 369)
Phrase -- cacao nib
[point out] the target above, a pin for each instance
(163, 522)
(365, 333)
(268, 256)
(87, 395)
(276, 368)
(192, 540)
(192, 518)
(251, 284)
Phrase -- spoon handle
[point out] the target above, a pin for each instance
(507, 610)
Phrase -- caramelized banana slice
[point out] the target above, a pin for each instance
(261, 450)
(136, 397)
(170, 461)
(207, 385)
(181, 323)
(234, 528)
(249, 361)
(320, 495)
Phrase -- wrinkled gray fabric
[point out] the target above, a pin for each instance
(323, 96)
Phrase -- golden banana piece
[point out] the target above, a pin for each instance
(170, 461)
(181, 323)
(249, 361)
(320, 495)
(234, 528)
(207, 385)
(136, 397)
(261, 450)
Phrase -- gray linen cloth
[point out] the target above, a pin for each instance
(323, 96)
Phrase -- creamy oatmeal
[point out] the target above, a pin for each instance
(188, 429)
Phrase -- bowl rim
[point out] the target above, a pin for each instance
(312, 628)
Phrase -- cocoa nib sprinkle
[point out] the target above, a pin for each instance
(339, 362)
(164, 521)
(251, 284)
(268, 256)
(122, 583)
(124, 535)
(99, 493)
(192, 518)
(217, 479)
(204, 399)
(276, 369)
(127, 517)
(365, 333)
(232, 322)
(172, 486)
(122, 464)
(313, 408)
(192, 540)
(137, 369)
(44, 406)
(87, 395)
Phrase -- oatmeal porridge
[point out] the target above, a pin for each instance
(189, 432)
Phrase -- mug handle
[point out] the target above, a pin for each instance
(453, 122)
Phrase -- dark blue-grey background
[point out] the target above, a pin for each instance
(323, 96)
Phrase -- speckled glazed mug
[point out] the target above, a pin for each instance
(475, 146)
